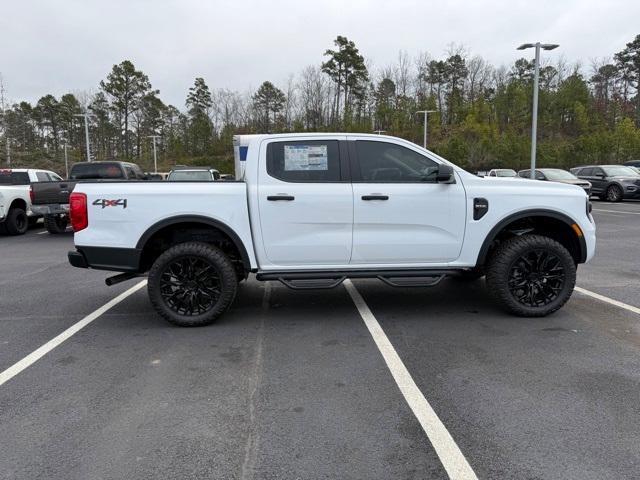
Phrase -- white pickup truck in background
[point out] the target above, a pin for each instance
(15, 197)
(310, 210)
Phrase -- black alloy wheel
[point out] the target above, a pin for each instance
(536, 278)
(190, 285)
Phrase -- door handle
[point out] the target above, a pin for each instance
(276, 198)
(375, 197)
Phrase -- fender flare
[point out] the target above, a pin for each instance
(156, 227)
(484, 250)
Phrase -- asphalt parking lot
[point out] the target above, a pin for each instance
(292, 385)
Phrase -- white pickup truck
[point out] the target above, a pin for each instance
(310, 210)
(15, 197)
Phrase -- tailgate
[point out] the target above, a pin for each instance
(45, 193)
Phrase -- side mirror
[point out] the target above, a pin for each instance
(445, 174)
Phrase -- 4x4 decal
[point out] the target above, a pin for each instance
(103, 202)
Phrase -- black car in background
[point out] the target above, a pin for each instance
(610, 182)
(557, 175)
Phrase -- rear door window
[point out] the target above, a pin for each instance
(42, 177)
(316, 161)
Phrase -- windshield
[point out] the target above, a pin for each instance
(557, 174)
(506, 173)
(619, 172)
(190, 176)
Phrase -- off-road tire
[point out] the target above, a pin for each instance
(503, 261)
(17, 222)
(614, 194)
(56, 224)
(215, 258)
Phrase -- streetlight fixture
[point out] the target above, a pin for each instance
(426, 112)
(86, 117)
(155, 158)
(536, 76)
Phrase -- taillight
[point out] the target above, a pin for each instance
(31, 195)
(78, 211)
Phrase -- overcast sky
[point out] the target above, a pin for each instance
(60, 46)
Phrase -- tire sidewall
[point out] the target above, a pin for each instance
(218, 260)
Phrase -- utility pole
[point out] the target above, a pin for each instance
(155, 156)
(534, 114)
(426, 113)
(86, 117)
(66, 161)
(6, 127)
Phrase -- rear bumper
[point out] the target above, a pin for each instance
(50, 209)
(106, 258)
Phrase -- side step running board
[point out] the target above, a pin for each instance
(311, 283)
(411, 281)
(330, 279)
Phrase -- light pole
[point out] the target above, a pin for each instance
(155, 157)
(86, 131)
(426, 113)
(534, 114)
(66, 161)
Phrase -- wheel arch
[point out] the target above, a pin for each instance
(170, 223)
(537, 216)
(18, 203)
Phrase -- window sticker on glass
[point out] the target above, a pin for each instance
(305, 157)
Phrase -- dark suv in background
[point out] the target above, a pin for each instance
(610, 182)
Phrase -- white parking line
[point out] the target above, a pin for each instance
(446, 448)
(36, 355)
(616, 211)
(608, 300)
(43, 232)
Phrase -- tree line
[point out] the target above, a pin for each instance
(482, 115)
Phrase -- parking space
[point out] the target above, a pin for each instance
(292, 384)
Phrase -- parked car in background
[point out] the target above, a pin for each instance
(16, 210)
(557, 175)
(193, 174)
(51, 199)
(610, 182)
(501, 172)
(227, 176)
(632, 163)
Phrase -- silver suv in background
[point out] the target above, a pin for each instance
(557, 175)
